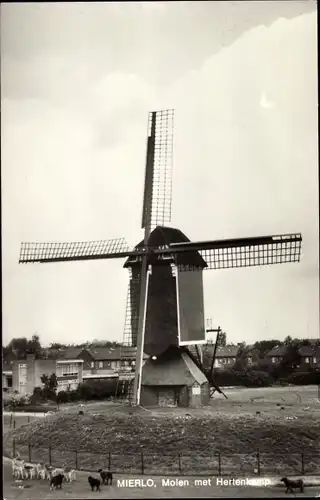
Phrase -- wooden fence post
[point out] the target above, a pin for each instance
(14, 448)
(219, 463)
(77, 460)
(14, 424)
(302, 464)
(258, 462)
(29, 452)
(28, 419)
(142, 464)
(179, 456)
(49, 450)
(109, 461)
(11, 420)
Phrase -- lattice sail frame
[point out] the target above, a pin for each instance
(130, 331)
(219, 254)
(275, 250)
(46, 252)
(156, 209)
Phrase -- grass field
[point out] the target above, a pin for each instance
(286, 425)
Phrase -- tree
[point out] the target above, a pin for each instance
(222, 339)
(287, 340)
(50, 386)
(20, 345)
(37, 395)
(34, 346)
(105, 343)
(264, 346)
(56, 345)
(241, 363)
(291, 359)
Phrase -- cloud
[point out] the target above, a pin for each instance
(73, 146)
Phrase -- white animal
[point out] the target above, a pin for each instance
(48, 474)
(57, 471)
(18, 468)
(17, 471)
(42, 474)
(70, 475)
(29, 471)
(38, 468)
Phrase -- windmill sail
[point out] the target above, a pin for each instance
(156, 264)
(241, 252)
(156, 208)
(69, 251)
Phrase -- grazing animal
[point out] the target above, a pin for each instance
(105, 476)
(43, 474)
(29, 471)
(39, 467)
(70, 475)
(56, 481)
(17, 471)
(94, 483)
(291, 484)
(57, 471)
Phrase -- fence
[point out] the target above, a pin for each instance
(218, 464)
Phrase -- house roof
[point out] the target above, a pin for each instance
(307, 350)
(69, 353)
(10, 356)
(277, 351)
(314, 341)
(113, 353)
(197, 374)
(230, 351)
(163, 235)
(173, 368)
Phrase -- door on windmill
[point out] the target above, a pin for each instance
(167, 396)
(190, 307)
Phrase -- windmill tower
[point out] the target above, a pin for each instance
(165, 311)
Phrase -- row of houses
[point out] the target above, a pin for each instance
(75, 365)
(72, 366)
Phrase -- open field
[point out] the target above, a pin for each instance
(35, 490)
(283, 424)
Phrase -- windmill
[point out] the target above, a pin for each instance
(165, 299)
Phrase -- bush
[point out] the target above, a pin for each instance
(36, 397)
(35, 409)
(90, 390)
(303, 378)
(62, 397)
(247, 378)
(97, 389)
(74, 395)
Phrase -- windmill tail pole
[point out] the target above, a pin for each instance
(215, 351)
(141, 331)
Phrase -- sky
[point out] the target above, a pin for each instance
(78, 81)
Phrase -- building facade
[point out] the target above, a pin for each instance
(26, 374)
